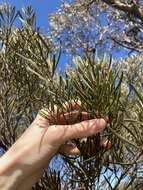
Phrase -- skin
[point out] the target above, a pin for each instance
(22, 165)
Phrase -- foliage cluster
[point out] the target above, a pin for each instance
(108, 25)
(106, 88)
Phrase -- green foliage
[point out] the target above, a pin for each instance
(97, 84)
(107, 89)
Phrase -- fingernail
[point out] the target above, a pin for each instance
(106, 144)
(102, 123)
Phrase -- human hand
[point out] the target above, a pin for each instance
(25, 160)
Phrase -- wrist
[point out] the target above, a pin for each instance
(20, 163)
(10, 174)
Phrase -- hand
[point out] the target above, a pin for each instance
(24, 162)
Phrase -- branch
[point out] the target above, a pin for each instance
(132, 9)
(127, 45)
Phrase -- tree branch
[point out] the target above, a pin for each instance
(127, 45)
(133, 9)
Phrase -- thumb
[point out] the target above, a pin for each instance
(85, 128)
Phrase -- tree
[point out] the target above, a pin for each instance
(30, 80)
(22, 94)
(91, 24)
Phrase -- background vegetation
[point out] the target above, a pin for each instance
(108, 88)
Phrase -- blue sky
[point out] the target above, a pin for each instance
(42, 8)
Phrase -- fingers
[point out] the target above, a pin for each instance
(106, 144)
(69, 113)
(72, 117)
(84, 128)
(66, 107)
(69, 149)
(70, 106)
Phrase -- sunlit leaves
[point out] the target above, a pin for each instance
(97, 83)
(30, 79)
(83, 25)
